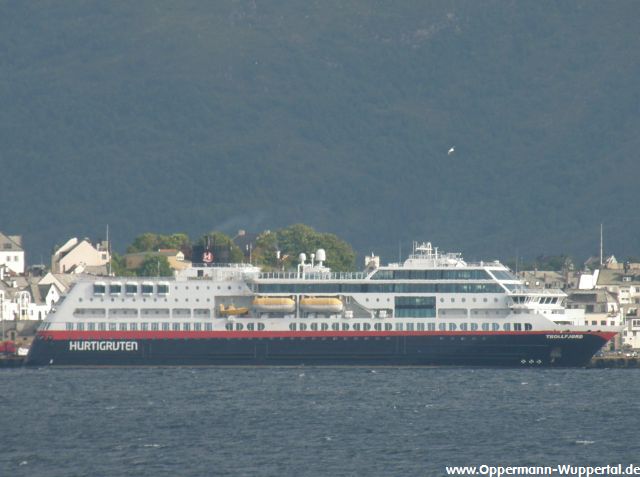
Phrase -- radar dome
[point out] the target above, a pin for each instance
(321, 255)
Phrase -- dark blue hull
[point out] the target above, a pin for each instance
(515, 350)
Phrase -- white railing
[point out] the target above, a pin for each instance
(312, 276)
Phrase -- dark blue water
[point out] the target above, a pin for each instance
(311, 421)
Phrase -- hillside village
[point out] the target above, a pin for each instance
(603, 293)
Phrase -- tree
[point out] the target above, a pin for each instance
(151, 242)
(299, 238)
(154, 266)
(119, 267)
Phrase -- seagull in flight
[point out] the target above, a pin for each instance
(451, 150)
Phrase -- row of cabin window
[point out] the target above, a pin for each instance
(407, 326)
(131, 288)
(153, 326)
(431, 275)
(133, 312)
(165, 326)
(313, 288)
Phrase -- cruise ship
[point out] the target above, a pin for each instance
(433, 309)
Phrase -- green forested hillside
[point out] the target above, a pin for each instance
(197, 116)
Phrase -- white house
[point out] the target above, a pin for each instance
(12, 254)
(26, 299)
(80, 256)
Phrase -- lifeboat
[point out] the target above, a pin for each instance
(321, 304)
(232, 310)
(274, 304)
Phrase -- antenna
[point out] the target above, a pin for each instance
(108, 253)
(601, 247)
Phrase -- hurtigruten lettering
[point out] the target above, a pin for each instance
(103, 346)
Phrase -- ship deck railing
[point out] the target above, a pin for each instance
(312, 276)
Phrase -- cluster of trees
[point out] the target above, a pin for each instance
(280, 249)
(271, 250)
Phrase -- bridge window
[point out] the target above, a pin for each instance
(131, 288)
(123, 327)
(208, 327)
(239, 326)
(377, 326)
(99, 288)
(163, 288)
(528, 326)
(115, 288)
(260, 326)
(147, 288)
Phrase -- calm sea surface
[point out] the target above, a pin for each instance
(312, 421)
